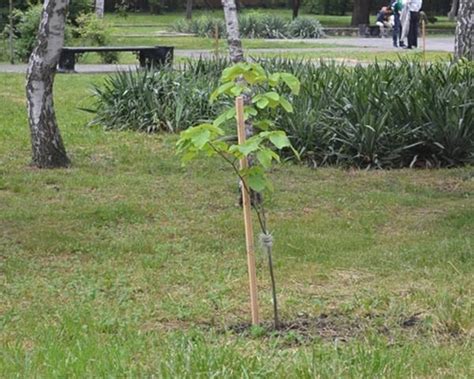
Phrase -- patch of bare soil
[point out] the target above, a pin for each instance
(334, 327)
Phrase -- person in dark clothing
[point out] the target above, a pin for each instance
(397, 7)
(414, 7)
(382, 20)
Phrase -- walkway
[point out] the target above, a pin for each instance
(343, 44)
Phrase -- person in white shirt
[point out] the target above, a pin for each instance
(414, 7)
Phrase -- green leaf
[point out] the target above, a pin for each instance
(262, 103)
(279, 139)
(230, 73)
(201, 138)
(257, 182)
(250, 111)
(286, 105)
(223, 117)
(263, 124)
(224, 88)
(265, 157)
(250, 146)
(292, 82)
(274, 79)
(272, 95)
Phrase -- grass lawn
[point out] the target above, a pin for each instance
(351, 56)
(128, 265)
(345, 54)
(138, 22)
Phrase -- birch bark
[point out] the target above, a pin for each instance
(463, 47)
(10, 34)
(236, 52)
(99, 8)
(47, 145)
(454, 10)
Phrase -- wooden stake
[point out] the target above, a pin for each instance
(249, 239)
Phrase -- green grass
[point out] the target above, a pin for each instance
(128, 265)
(350, 56)
(162, 22)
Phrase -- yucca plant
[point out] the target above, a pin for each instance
(382, 115)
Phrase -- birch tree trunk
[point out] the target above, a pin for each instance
(189, 9)
(236, 52)
(10, 34)
(47, 145)
(454, 10)
(463, 47)
(99, 8)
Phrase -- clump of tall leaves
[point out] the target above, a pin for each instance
(380, 116)
(254, 25)
(263, 96)
(152, 101)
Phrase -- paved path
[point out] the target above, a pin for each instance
(343, 44)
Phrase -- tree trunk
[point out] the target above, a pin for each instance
(296, 8)
(189, 9)
(464, 30)
(99, 8)
(454, 10)
(46, 141)
(361, 12)
(236, 52)
(10, 34)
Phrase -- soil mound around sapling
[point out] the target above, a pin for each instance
(329, 327)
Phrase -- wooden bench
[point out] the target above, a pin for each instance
(148, 56)
(369, 31)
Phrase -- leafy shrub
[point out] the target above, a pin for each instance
(390, 115)
(26, 24)
(305, 27)
(254, 25)
(25, 30)
(152, 101)
(78, 8)
(93, 30)
(201, 26)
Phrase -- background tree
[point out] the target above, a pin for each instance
(296, 8)
(454, 10)
(361, 12)
(236, 53)
(99, 8)
(10, 34)
(189, 9)
(47, 145)
(464, 30)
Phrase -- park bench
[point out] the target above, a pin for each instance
(147, 55)
(369, 30)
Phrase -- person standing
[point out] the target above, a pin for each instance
(414, 7)
(397, 7)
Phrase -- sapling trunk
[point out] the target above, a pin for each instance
(265, 238)
(267, 242)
